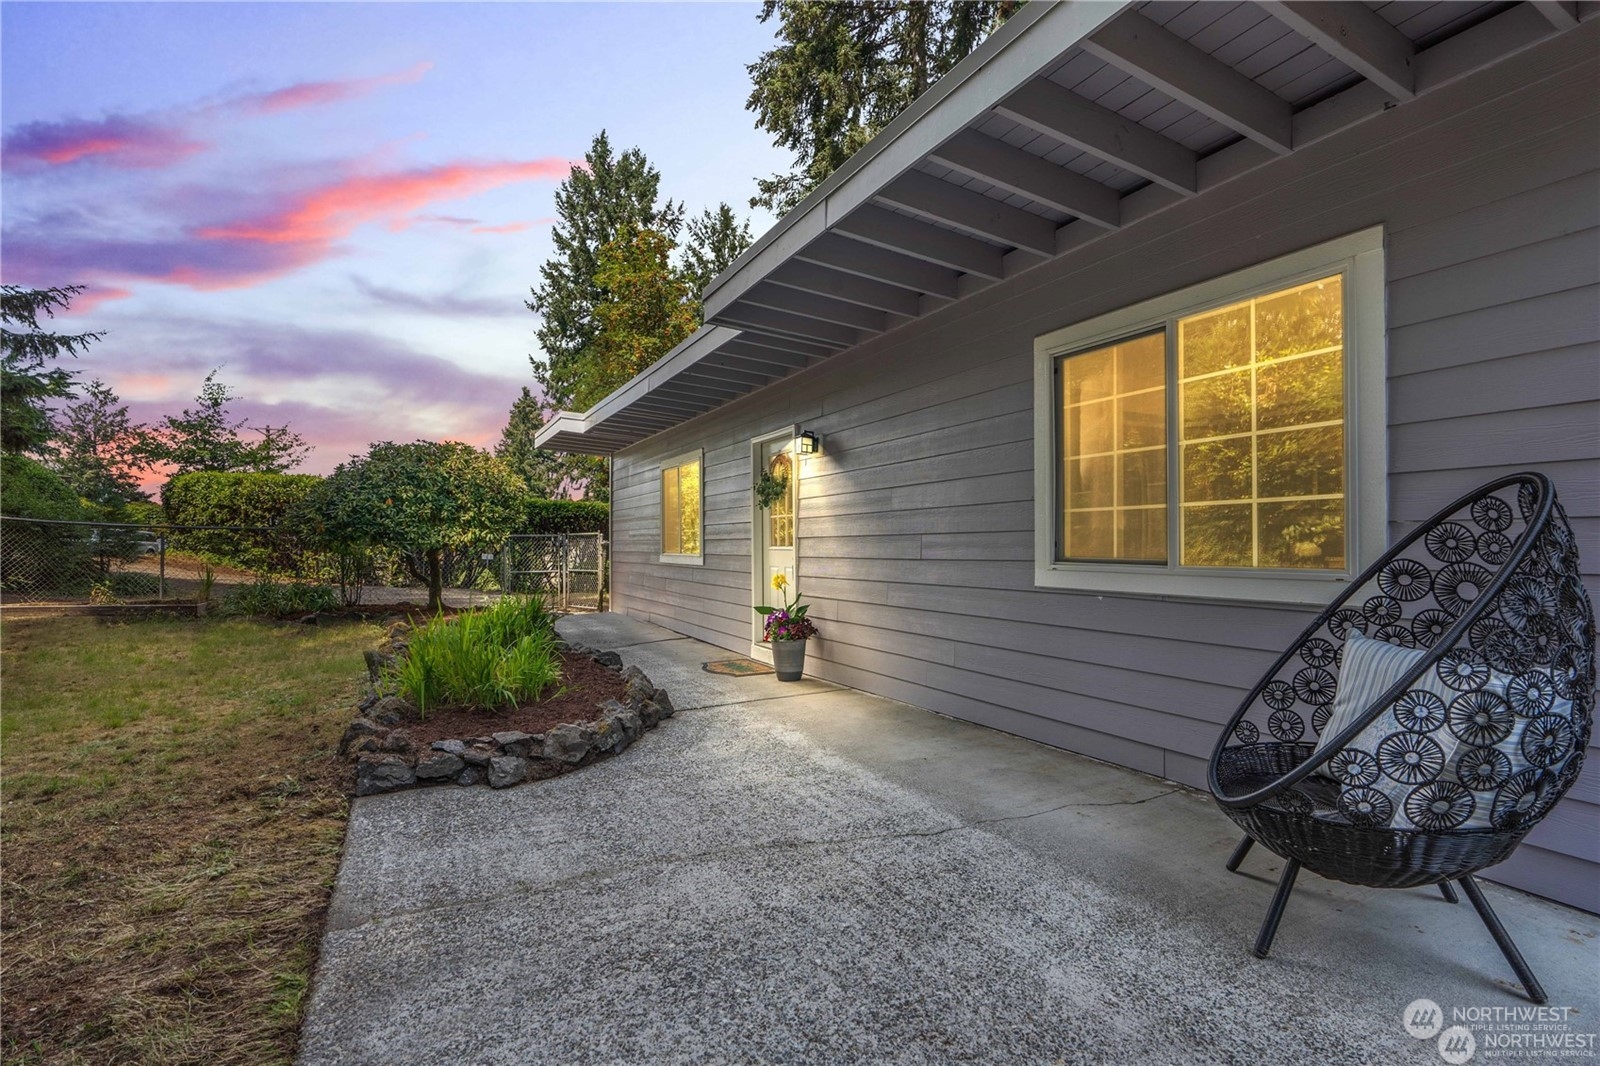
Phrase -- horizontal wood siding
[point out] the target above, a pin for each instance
(916, 522)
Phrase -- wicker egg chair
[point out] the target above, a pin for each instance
(1467, 659)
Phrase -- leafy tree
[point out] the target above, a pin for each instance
(207, 437)
(98, 450)
(843, 71)
(540, 470)
(609, 193)
(425, 497)
(715, 238)
(648, 308)
(27, 381)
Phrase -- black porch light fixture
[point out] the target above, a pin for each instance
(810, 443)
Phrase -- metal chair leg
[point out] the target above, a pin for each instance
(1269, 928)
(1239, 853)
(1448, 893)
(1529, 982)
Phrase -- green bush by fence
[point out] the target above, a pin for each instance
(564, 516)
(212, 499)
(41, 558)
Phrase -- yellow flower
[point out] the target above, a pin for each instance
(780, 582)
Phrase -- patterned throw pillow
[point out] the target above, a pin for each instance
(1461, 743)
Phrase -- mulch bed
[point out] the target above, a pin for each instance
(585, 683)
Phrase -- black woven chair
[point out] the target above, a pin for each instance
(1442, 772)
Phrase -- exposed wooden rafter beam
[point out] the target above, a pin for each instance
(970, 211)
(822, 308)
(862, 260)
(852, 288)
(1011, 168)
(1356, 36)
(899, 233)
(1063, 114)
(779, 362)
(787, 324)
(1167, 62)
(1563, 14)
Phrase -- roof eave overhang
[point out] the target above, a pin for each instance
(935, 209)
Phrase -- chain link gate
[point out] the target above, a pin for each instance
(567, 569)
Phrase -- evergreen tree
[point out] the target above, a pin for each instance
(27, 382)
(844, 70)
(98, 450)
(207, 437)
(539, 469)
(714, 240)
(607, 194)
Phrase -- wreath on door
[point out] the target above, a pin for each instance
(773, 482)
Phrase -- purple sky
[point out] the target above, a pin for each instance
(342, 205)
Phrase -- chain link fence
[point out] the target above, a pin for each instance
(565, 568)
(75, 564)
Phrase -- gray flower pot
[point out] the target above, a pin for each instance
(789, 659)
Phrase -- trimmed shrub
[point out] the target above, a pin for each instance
(41, 559)
(564, 516)
(29, 490)
(207, 498)
(498, 657)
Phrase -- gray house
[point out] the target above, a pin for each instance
(1139, 334)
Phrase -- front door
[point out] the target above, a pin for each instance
(774, 531)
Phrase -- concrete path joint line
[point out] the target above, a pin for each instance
(665, 862)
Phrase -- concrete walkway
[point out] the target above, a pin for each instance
(799, 873)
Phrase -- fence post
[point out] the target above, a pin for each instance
(566, 565)
(600, 576)
(161, 582)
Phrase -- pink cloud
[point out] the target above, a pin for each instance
(318, 93)
(251, 251)
(334, 211)
(307, 372)
(95, 295)
(117, 140)
(135, 142)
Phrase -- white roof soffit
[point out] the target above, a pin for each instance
(1072, 121)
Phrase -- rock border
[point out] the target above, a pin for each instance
(387, 760)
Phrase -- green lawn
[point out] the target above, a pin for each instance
(171, 828)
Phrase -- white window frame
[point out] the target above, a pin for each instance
(1360, 258)
(683, 559)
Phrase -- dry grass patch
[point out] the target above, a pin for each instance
(172, 825)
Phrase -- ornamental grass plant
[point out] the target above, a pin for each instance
(499, 657)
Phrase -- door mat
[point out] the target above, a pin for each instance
(736, 667)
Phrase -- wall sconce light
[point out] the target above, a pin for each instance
(810, 443)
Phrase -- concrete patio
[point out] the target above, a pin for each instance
(801, 873)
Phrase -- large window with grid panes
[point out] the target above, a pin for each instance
(1222, 441)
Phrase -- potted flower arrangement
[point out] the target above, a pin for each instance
(786, 629)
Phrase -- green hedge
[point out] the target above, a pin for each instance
(29, 490)
(212, 499)
(41, 559)
(564, 516)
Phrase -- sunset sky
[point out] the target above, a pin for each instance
(342, 205)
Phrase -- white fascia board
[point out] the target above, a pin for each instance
(1027, 44)
(697, 346)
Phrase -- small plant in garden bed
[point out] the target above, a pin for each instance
(274, 599)
(495, 658)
